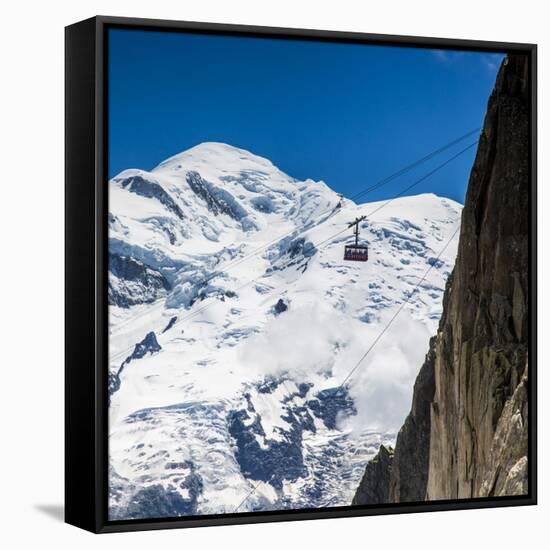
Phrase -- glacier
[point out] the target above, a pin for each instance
(234, 320)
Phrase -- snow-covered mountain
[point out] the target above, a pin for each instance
(234, 320)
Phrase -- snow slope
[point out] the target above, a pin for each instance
(234, 320)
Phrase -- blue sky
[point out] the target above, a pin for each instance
(347, 114)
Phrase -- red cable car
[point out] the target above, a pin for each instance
(356, 252)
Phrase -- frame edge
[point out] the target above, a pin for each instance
(80, 213)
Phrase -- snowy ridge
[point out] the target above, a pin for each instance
(239, 388)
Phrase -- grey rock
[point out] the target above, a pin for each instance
(133, 282)
(374, 486)
(150, 189)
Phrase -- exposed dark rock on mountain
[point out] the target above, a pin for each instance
(280, 307)
(375, 484)
(151, 189)
(280, 456)
(331, 404)
(466, 434)
(170, 324)
(275, 461)
(148, 345)
(219, 201)
(157, 500)
(132, 282)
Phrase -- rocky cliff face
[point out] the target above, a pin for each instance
(466, 434)
(375, 484)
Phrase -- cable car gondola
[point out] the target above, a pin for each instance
(356, 252)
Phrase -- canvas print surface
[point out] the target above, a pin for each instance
(318, 266)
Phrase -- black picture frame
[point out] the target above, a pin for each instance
(86, 398)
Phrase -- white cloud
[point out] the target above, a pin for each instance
(312, 345)
(447, 56)
(382, 385)
(490, 61)
(299, 342)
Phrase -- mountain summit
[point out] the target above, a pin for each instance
(213, 155)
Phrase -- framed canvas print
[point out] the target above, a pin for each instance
(300, 274)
